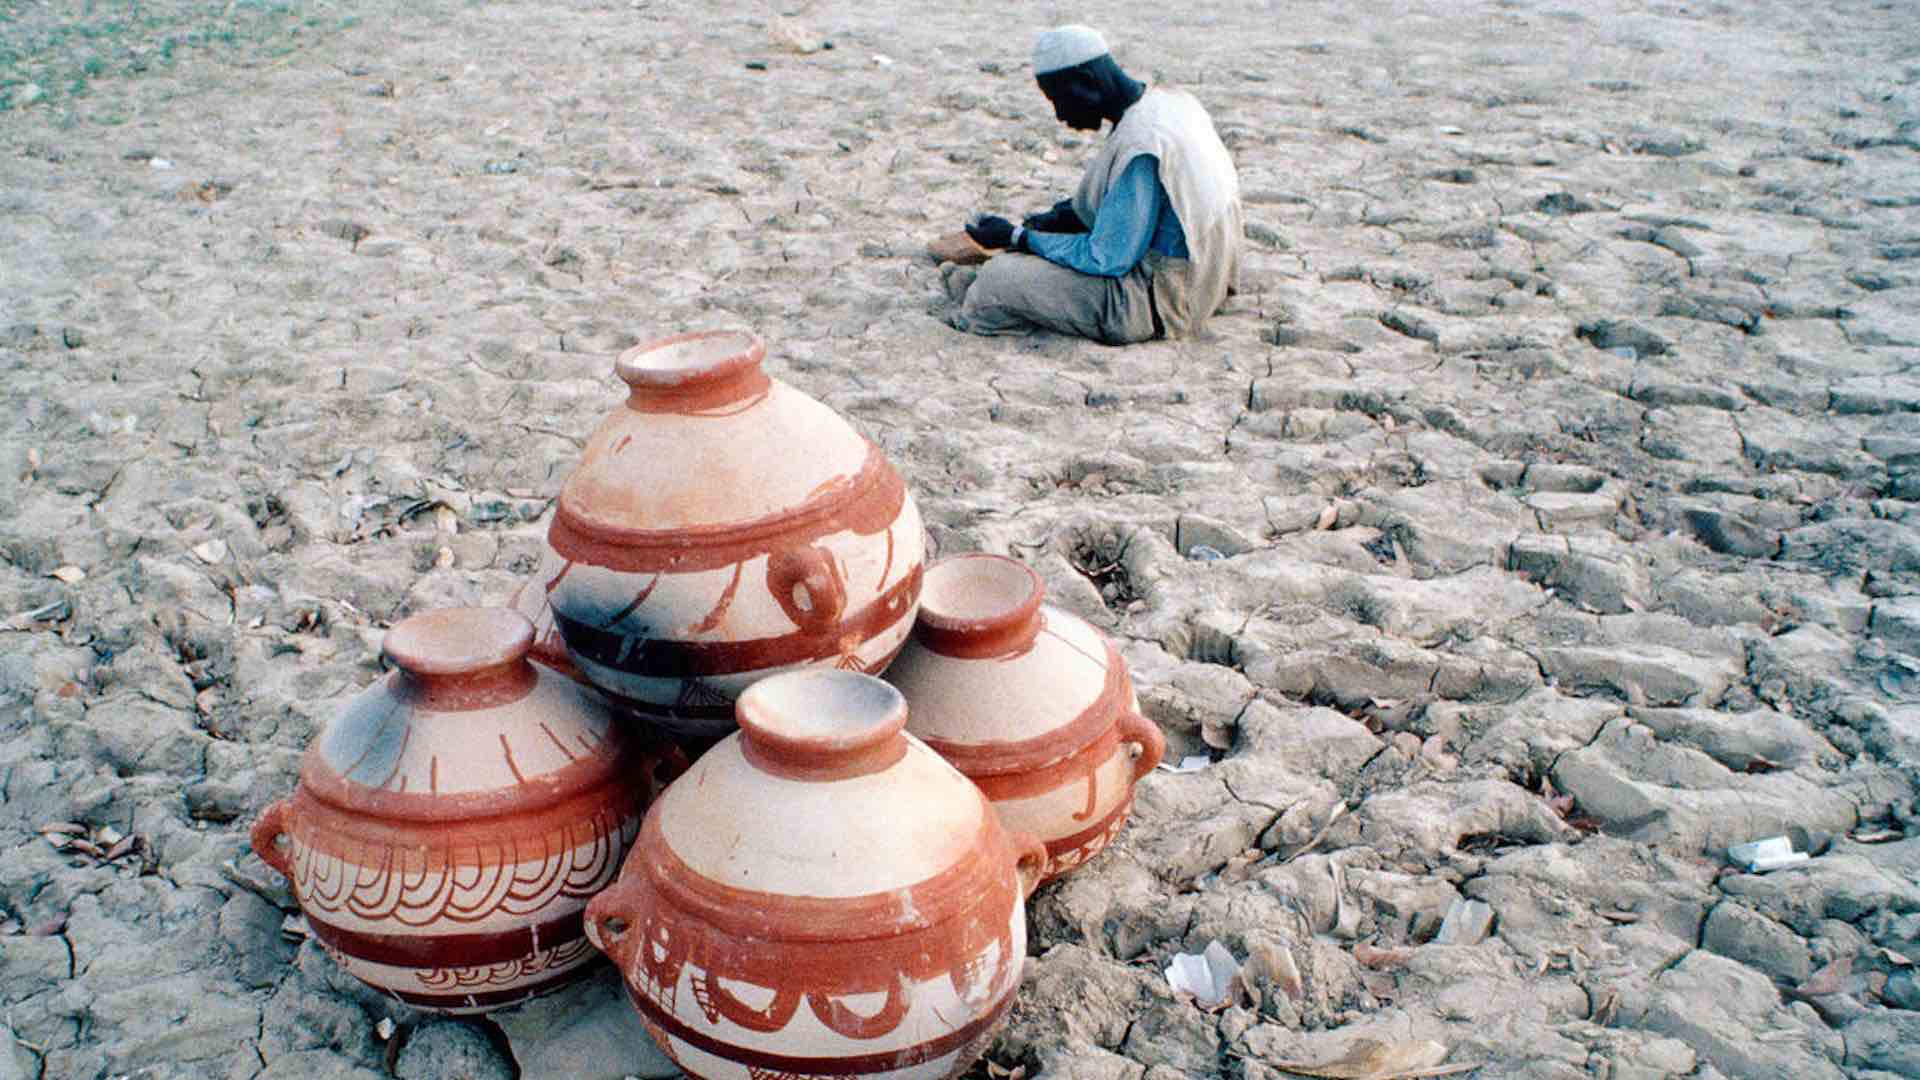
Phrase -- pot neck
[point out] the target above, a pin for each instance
(694, 373)
(459, 659)
(980, 606)
(822, 724)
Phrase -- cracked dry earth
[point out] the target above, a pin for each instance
(1539, 519)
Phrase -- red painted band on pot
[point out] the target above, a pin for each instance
(877, 920)
(452, 950)
(661, 1025)
(597, 816)
(865, 503)
(576, 785)
(1078, 767)
(484, 1000)
(657, 945)
(660, 658)
(982, 760)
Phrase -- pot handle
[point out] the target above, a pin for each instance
(813, 571)
(1030, 861)
(609, 925)
(266, 837)
(1144, 740)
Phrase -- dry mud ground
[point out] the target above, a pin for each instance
(1560, 452)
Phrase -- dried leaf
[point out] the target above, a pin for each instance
(1272, 965)
(1621, 916)
(125, 847)
(64, 828)
(72, 575)
(1327, 517)
(1381, 959)
(1217, 733)
(1240, 867)
(1877, 836)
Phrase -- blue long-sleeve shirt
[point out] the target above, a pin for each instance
(1135, 216)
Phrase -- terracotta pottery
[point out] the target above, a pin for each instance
(958, 247)
(1031, 703)
(821, 895)
(722, 526)
(451, 823)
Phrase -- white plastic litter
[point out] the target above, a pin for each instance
(1208, 975)
(1760, 856)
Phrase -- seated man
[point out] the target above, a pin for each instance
(1150, 243)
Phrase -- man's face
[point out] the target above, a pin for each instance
(1074, 104)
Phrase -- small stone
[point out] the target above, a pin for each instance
(445, 1048)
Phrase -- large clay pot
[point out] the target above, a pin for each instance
(451, 823)
(1031, 703)
(723, 526)
(820, 895)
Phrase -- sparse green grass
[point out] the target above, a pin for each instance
(55, 52)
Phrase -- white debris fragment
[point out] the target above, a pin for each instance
(1760, 856)
(1208, 975)
(1191, 763)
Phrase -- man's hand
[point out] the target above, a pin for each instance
(1060, 219)
(994, 233)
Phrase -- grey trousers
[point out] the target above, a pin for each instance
(1015, 294)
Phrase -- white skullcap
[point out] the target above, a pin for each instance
(1066, 46)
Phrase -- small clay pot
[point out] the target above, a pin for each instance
(722, 526)
(1031, 703)
(821, 895)
(451, 823)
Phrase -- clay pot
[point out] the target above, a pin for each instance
(820, 895)
(1031, 703)
(722, 526)
(451, 823)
